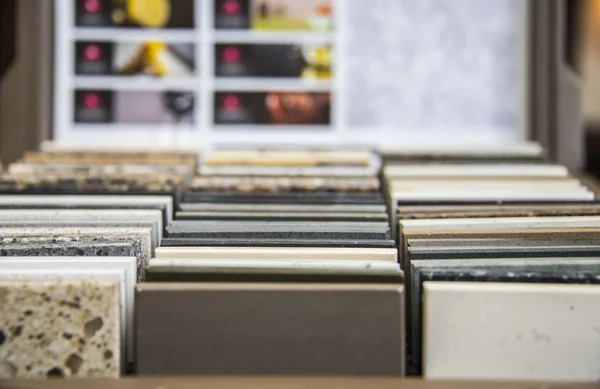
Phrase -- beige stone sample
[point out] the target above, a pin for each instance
(59, 328)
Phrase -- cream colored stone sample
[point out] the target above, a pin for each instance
(59, 328)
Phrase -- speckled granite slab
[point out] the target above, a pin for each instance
(59, 329)
(289, 329)
(491, 270)
(21, 267)
(81, 218)
(112, 271)
(241, 242)
(37, 234)
(53, 247)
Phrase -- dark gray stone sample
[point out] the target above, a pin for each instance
(364, 243)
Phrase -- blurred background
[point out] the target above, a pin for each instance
(26, 48)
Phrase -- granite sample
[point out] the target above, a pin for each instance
(490, 269)
(289, 329)
(38, 234)
(285, 184)
(514, 331)
(125, 265)
(273, 253)
(113, 271)
(59, 329)
(68, 248)
(100, 218)
(279, 242)
(289, 216)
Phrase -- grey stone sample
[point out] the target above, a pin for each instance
(92, 248)
(241, 242)
(275, 230)
(289, 216)
(39, 234)
(328, 208)
(504, 251)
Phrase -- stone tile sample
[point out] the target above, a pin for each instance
(92, 248)
(284, 184)
(54, 265)
(39, 234)
(59, 329)
(516, 332)
(303, 198)
(279, 230)
(315, 208)
(164, 203)
(534, 270)
(241, 242)
(100, 218)
(273, 253)
(289, 216)
(288, 329)
(109, 271)
(504, 251)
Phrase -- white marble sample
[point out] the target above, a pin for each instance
(278, 253)
(68, 264)
(59, 329)
(506, 331)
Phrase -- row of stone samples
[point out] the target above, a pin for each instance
(290, 257)
(501, 264)
(78, 232)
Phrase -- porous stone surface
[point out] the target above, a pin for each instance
(59, 329)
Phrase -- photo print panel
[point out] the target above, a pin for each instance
(151, 58)
(273, 108)
(170, 14)
(135, 107)
(309, 62)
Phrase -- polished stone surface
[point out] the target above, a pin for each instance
(59, 328)
(270, 329)
(511, 331)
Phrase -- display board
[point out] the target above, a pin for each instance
(310, 72)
